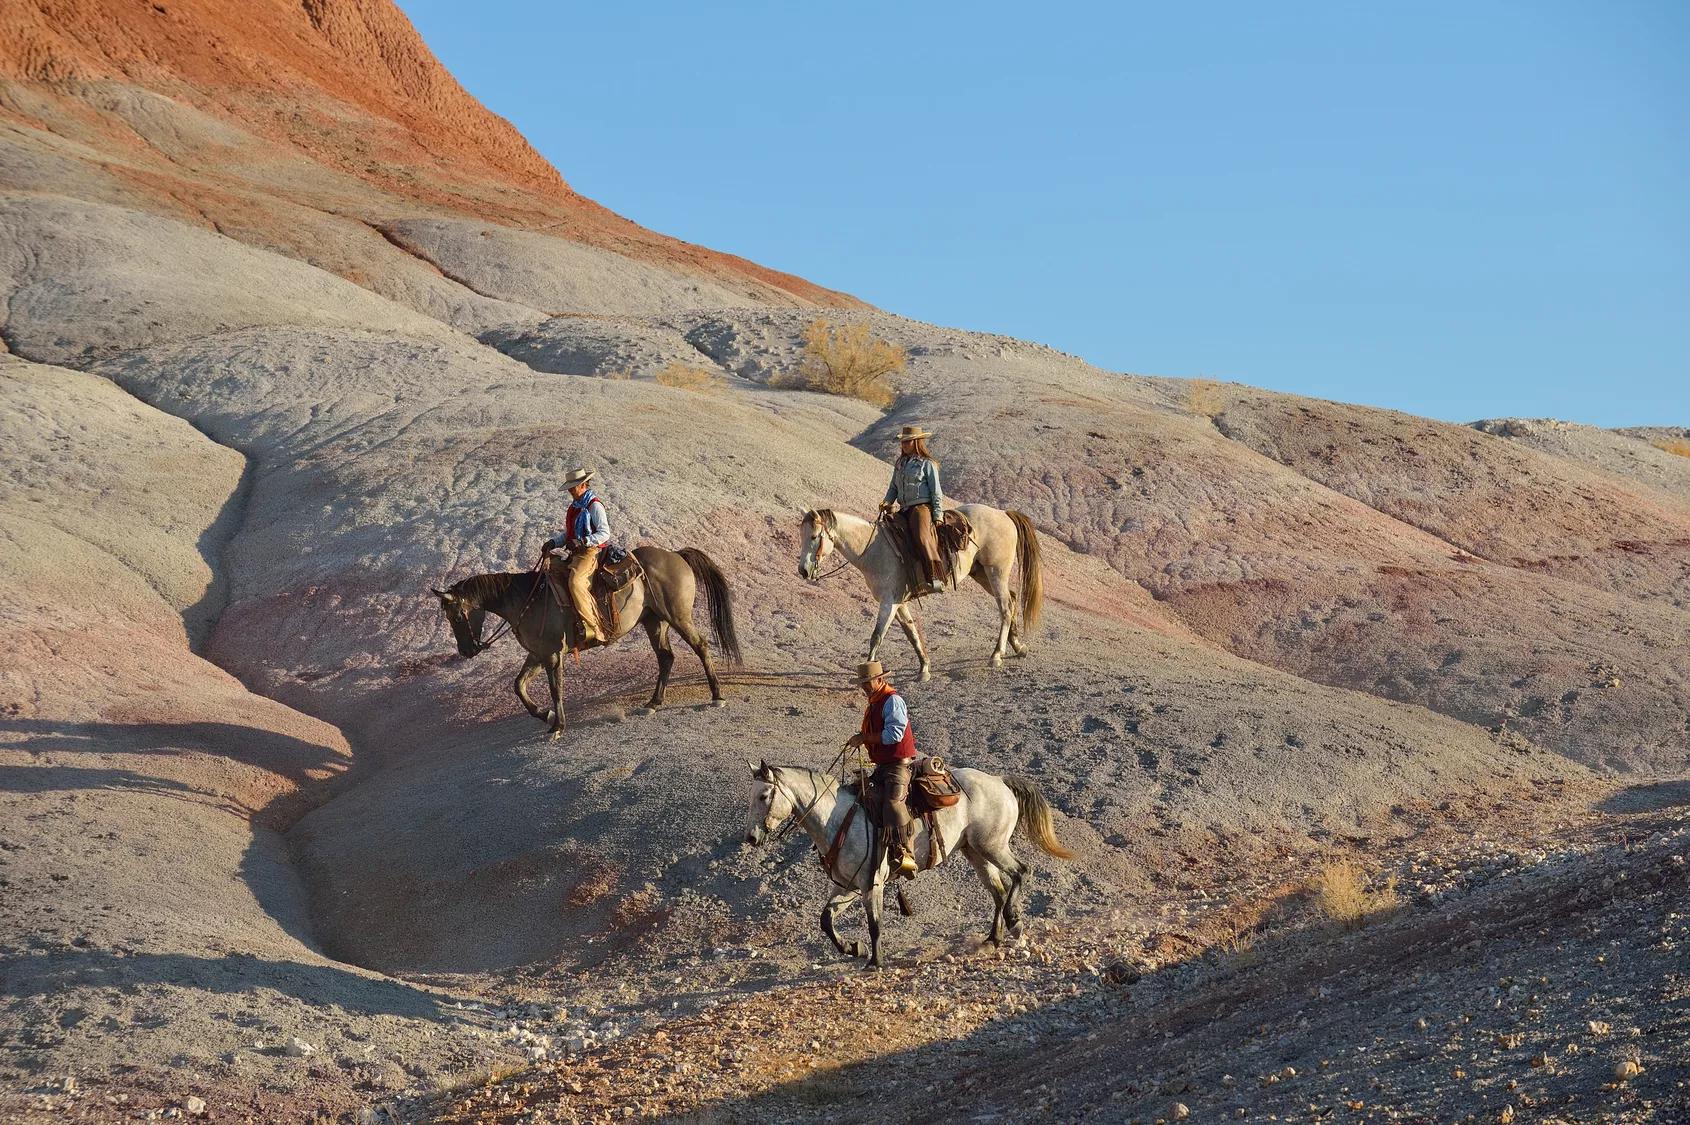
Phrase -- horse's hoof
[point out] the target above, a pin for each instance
(926, 673)
(555, 735)
(718, 703)
(997, 662)
(856, 950)
(648, 709)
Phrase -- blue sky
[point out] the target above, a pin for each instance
(1461, 210)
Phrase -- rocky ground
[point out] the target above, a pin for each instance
(1522, 978)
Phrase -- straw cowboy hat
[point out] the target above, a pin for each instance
(869, 670)
(913, 433)
(579, 476)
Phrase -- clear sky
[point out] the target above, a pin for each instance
(1459, 209)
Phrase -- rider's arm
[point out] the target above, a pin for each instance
(598, 527)
(934, 490)
(891, 490)
(897, 718)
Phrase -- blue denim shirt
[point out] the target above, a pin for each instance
(915, 480)
(896, 716)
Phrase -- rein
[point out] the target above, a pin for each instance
(504, 625)
(846, 565)
(832, 857)
(794, 821)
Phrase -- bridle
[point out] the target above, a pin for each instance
(797, 818)
(824, 528)
(504, 626)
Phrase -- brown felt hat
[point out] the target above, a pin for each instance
(869, 670)
(579, 476)
(913, 433)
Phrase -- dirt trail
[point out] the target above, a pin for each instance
(1520, 970)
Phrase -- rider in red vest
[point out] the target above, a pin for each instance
(890, 741)
(585, 534)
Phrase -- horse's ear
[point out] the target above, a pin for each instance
(756, 770)
(441, 594)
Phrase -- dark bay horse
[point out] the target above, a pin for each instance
(660, 599)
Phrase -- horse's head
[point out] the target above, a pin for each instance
(815, 537)
(465, 616)
(770, 804)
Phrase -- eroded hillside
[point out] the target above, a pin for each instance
(289, 343)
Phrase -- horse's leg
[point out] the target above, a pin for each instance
(998, 577)
(529, 671)
(1001, 857)
(830, 912)
(906, 618)
(989, 875)
(658, 630)
(871, 906)
(700, 645)
(887, 609)
(554, 676)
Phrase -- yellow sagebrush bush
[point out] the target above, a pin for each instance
(1342, 895)
(1675, 445)
(1206, 397)
(677, 374)
(846, 360)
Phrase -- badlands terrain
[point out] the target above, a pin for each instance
(294, 329)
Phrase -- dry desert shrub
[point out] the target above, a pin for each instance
(846, 360)
(1677, 446)
(679, 375)
(1205, 397)
(1341, 894)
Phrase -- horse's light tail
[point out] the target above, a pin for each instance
(1027, 553)
(718, 598)
(1035, 821)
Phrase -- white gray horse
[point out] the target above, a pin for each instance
(979, 826)
(999, 541)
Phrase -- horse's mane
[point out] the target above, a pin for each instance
(484, 588)
(824, 779)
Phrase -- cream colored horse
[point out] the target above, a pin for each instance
(979, 826)
(1000, 540)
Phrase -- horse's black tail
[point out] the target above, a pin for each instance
(718, 598)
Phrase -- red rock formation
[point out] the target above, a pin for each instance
(348, 84)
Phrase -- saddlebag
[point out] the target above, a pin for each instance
(934, 784)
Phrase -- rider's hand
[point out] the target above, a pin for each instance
(885, 507)
(856, 740)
